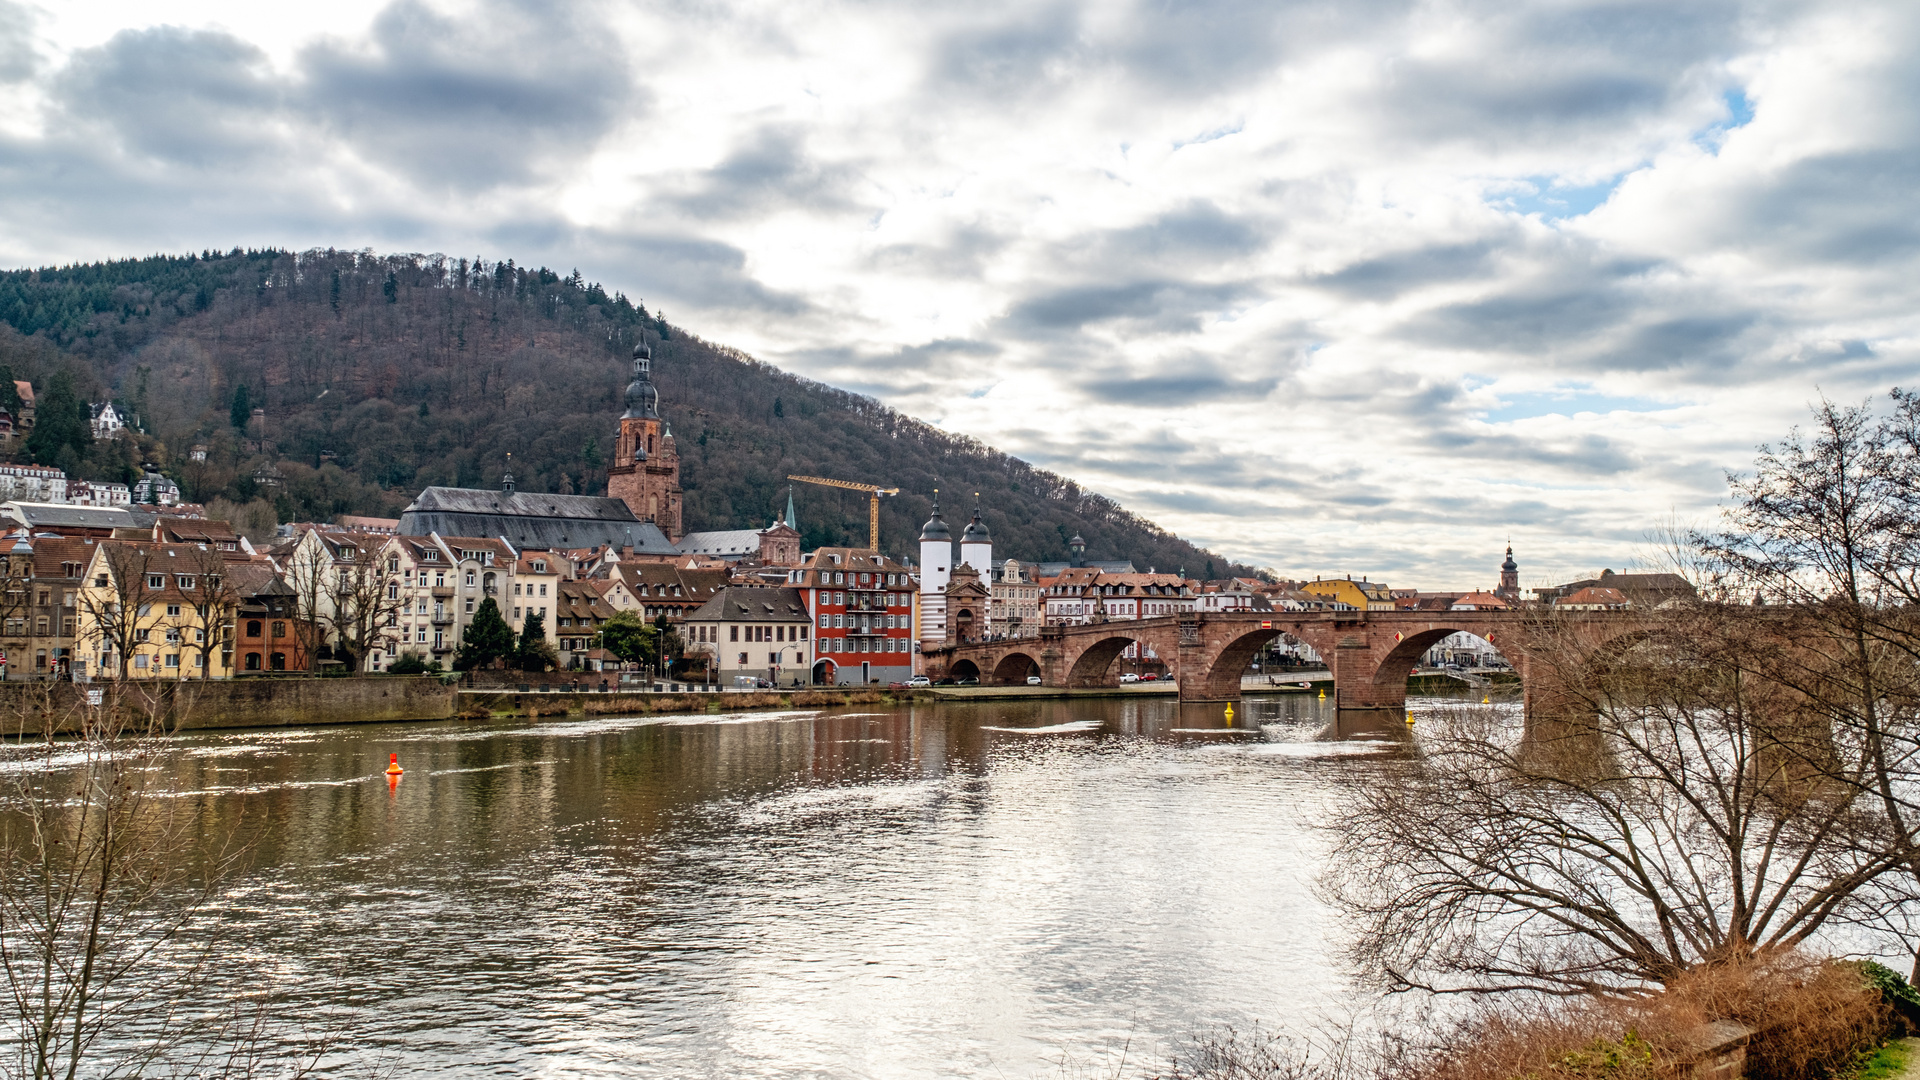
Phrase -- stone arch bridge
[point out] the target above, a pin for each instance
(1369, 653)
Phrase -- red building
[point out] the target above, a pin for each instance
(862, 610)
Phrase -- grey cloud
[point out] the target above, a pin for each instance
(18, 59)
(1384, 277)
(190, 96)
(514, 90)
(1015, 59)
(650, 265)
(1165, 305)
(1546, 72)
(1197, 234)
(767, 173)
(962, 253)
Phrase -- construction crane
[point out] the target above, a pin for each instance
(873, 491)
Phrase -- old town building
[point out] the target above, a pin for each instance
(752, 632)
(862, 607)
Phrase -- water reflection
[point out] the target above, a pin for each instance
(968, 890)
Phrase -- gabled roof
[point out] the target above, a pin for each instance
(532, 520)
(749, 603)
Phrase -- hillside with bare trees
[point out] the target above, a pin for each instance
(378, 375)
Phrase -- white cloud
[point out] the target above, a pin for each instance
(1356, 287)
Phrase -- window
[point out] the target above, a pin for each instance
(199, 660)
(185, 581)
(469, 605)
(439, 579)
(393, 590)
(279, 628)
(173, 610)
(420, 635)
(543, 592)
(141, 635)
(173, 659)
(743, 659)
(839, 578)
(393, 564)
(173, 635)
(253, 627)
(472, 579)
(156, 581)
(516, 588)
(803, 633)
(138, 661)
(516, 613)
(99, 581)
(734, 635)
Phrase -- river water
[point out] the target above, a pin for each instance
(983, 890)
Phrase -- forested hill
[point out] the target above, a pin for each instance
(382, 374)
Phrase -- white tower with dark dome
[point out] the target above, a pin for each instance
(976, 544)
(936, 569)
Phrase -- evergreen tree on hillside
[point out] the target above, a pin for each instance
(62, 426)
(242, 409)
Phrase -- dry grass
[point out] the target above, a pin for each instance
(1811, 1019)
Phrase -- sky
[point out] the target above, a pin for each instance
(1356, 287)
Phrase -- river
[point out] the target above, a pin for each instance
(983, 890)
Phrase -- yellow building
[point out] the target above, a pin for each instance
(1362, 595)
(165, 609)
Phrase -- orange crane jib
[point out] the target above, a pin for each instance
(874, 491)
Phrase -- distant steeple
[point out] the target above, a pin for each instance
(1509, 589)
(791, 522)
(506, 483)
(643, 401)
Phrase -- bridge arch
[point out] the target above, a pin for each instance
(963, 669)
(1014, 669)
(1091, 666)
(1233, 659)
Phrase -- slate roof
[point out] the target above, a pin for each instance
(56, 515)
(1055, 569)
(532, 520)
(723, 543)
(748, 603)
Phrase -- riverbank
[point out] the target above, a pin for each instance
(32, 708)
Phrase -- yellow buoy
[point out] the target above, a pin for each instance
(1323, 693)
(1409, 717)
(1488, 700)
(1229, 714)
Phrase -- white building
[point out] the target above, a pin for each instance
(1016, 601)
(107, 421)
(156, 489)
(33, 483)
(98, 493)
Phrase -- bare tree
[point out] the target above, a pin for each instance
(113, 599)
(1826, 533)
(360, 597)
(214, 600)
(1694, 833)
(308, 573)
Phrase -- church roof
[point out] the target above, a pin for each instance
(532, 520)
(753, 603)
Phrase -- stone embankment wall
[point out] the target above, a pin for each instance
(29, 708)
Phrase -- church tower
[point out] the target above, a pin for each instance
(1509, 589)
(645, 473)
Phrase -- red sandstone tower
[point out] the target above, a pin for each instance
(645, 473)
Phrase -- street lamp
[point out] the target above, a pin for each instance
(773, 667)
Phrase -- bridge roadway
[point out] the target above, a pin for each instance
(1370, 653)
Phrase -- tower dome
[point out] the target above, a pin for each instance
(643, 401)
(1509, 566)
(936, 526)
(976, 531)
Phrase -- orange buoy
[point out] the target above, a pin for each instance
(393, 765)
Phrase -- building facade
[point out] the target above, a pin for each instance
(863, 612)
(752, 632)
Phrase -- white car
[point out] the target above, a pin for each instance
(1129, 677)
(1033, 680)
(919, 680)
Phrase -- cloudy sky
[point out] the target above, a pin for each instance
(1353, 286)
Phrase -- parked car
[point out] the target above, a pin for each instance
(943, 682)
(919, 680)
(1033, 680)
(968, 681)
(1129, 677)
(1150, 677)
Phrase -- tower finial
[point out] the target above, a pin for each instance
(506, 484)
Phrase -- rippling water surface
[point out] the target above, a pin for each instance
(959, 890)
